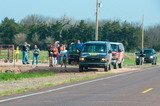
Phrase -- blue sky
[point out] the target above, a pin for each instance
(129, 10)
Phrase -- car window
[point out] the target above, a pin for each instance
(121, 47)
(95, 48)
(114, 47)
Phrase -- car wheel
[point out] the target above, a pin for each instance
(137, 63)
(154, 62)
(80, 68)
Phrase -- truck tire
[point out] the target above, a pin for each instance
(106, 68)
(81, 69)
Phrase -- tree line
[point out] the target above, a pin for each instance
(42, 31)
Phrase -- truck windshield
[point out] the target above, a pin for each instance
(95, 48)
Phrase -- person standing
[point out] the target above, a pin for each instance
(55, 55)
(79, 46)
(17, 54)
(64, 57)
(25, 49)
(35, 55)
(50, 55)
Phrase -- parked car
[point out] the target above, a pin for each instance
(147, 55)
(96, 54)
(117, 54)
(73, 54)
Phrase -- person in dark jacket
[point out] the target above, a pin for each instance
(25, 49)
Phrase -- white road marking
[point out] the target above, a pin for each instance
(69, 86)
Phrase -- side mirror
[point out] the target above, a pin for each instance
(110, 51)
(136, 53)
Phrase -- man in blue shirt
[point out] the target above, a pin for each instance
(79, 46)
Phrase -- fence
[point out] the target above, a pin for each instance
(7, 53)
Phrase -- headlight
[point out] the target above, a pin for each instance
(151, 57)
(137, 57)
(104, 59)
(81, 58)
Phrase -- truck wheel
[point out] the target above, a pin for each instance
(106, 68)
(115, 66)
(120, 65)
(86, 68)
(109, 68)
(80, 68)
(69, 62)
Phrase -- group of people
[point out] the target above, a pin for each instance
(57, 53)
(25, 49)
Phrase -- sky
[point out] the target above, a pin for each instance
(124, 10)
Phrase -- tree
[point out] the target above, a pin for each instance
(126, 33)
(20, 38)
(153, 35)
(8, 29)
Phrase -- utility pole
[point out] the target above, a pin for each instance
(97, 13)
(142, 32)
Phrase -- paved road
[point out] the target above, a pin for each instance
(133, 89)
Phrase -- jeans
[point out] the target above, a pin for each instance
(35, 58)
(24, 57)
(54, 61)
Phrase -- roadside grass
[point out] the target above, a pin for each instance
(19, 76)
(158, 57)
(129, 59)
(69, 80)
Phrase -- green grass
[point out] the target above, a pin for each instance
(129, 59)
(13, 76)
(68, 80)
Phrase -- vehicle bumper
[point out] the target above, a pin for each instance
(94, 65)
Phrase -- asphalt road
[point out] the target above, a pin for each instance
(140, 88)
